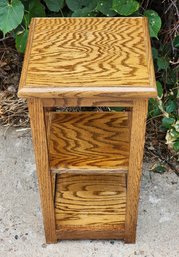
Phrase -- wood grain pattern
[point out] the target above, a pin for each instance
(87, 233)
(88, 62)
(27, 55)
(88, 171)
(53, 182)
(149, 53)
(137, 139)
(90, 203)
(78, 56)
(37, 120)
(89, 141)
(83, 102)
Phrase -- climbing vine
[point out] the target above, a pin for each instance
(15, 17)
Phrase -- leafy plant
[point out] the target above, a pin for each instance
(15, 17)
(154, 22)
(11, 15)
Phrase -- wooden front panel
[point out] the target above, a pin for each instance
(46, 188)
(89, 141)
(87, 102)
(90, 203)
(137, 139)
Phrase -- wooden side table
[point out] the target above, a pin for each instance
(88, 163)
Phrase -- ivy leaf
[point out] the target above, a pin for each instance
(77, 4)
(84, 12)
(171, 106)
(36, 9)
(171, 78)
(153, 108)
(26, 20)
(162, 63)
(174, 134)
(176, 146)
(167, 122)
(105, 7)
(154, 53)
(154, 22)
(158, 169)
(87, 8)
(11, 15)
(125, 7)
(21, 39)
(159, 89)
(54, 5)
(176, 41)
(176, 126)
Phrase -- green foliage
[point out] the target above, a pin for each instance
(162, 63)
(54, 6)
(105, 7)
(154, 22)
(158, 168)
(176, 42)
(159, 89)
(78, 4)
(36, 9)
(85, 8)
(176, 146)
(83, 12)
(168, 92)
(21, 39)
(167, 122)
(11, 15)
(15, 17)
(125, 7)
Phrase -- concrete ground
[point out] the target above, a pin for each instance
(21, 229)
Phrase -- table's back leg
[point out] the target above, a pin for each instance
(37, 118)
(137, 139)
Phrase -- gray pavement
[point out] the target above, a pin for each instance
(21, 229)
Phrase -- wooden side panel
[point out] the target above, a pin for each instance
(90, 203)
(89, 141)
(138, 124)
(37, 119)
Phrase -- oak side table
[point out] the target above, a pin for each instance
(88, 163)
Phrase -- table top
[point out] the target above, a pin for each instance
(88, 57)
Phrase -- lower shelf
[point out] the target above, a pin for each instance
(90, 206)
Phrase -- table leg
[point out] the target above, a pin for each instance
(37, 119)
(137, 139)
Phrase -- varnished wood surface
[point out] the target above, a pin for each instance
(87, 233)
(79, 57)
(88, 171)
(72, 102)
(137, 139)
(90, 203)
(89, 141)
(53, 182)
(37, 119)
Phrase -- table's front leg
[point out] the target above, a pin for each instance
(137, 139)
(37, 119)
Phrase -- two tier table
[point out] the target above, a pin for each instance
(88, 162)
